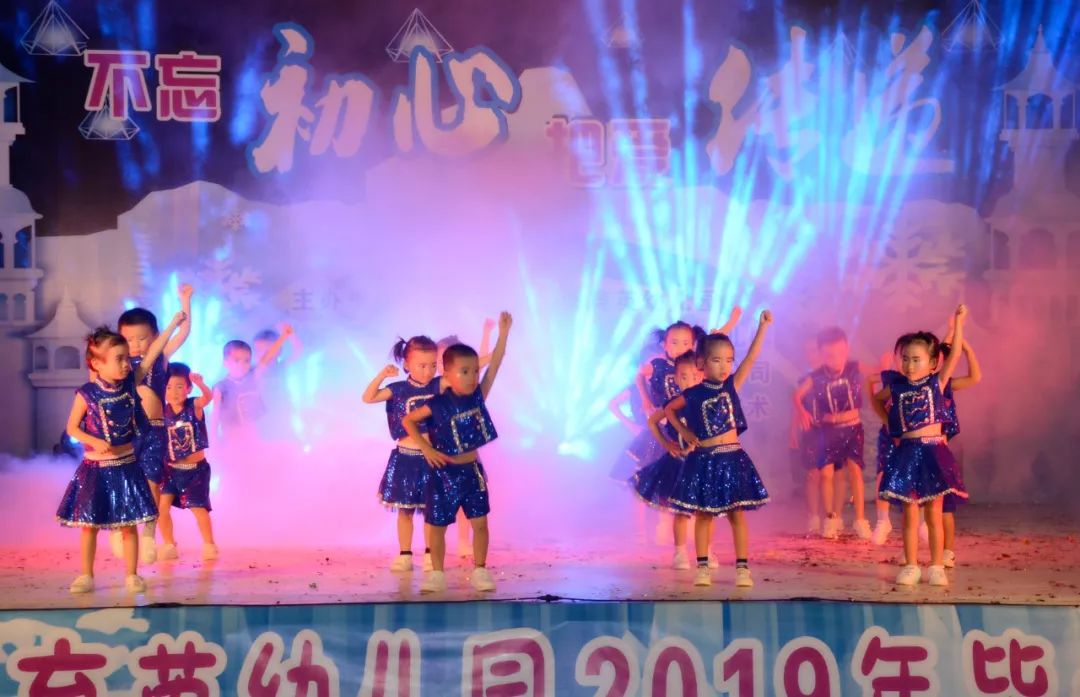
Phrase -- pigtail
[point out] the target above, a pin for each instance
(398, 350)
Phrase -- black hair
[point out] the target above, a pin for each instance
(136, 317)
(831, 335)
(933, 345)
(403, 348)
(267, 335)
(99, 340)
(944, 349)
(235, 345)
(688, 357)
(706, 344)
(456, 351)
(180, 370)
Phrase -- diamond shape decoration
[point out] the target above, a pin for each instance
(100, 125)
(417, 31)
(54, 33)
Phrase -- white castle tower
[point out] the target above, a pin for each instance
(59, 367)
(18, 274)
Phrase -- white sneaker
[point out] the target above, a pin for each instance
(434, 582)
(743, 578)
(703, 577)
(949, 559)
(82, 584)
(909, 576)
(681, 561)
(116, 543)
(881, 531)
(168, 553)
(862, 529)
(482, 580)
(428, 566)
(830, 529)
(924, 532)
(714, 563)
(147, 549)
(209, 552)
(135, 584)
(402, 562)
(937, 576)
(814, 526)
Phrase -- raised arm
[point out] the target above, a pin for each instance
(203, 399)
(736, 313)
(505, 321)
(671, 412)
(803, 418)
(974, 376)
(485, 342)
(274, 350)
(947, 370)
(74, 428)
(155, 349)
(743, 371)
(411, 422)
(375, 392)
(177, 341)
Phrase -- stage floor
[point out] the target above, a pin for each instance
(1023, 555)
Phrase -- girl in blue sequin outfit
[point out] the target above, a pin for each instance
(922, 469)
(654, 482)
(139, 327)
(458, 425)
(406, 474)
(109, 490)
(187, 473)
(718, 477)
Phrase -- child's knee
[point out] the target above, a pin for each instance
(479, 524)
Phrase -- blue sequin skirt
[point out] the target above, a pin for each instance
(921, 469)
(151, 450)
(718, 479)
(107, 494)
(842, 443)
(189, 484)
(654, 483)
(886, 446)
(642, 450)
(403, 482)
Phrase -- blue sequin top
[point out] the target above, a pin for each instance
(158, 375)
(405, 396)
(914, 404)
(187, 432)
(835, 394)
(113, 412)
(662, 385)
(459, 424)
(712, 409)
(240, 400)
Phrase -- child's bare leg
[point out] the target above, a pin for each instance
(948, 527)
(858, 489)
(151, 527)
(703, 524)
(87, 550)
(405, 529)
(827, 488)
(813, 492)
(131, 549)
(880, 504)
(911, 534)
(202, 519)
(678, 528)
(165, 519)
(839, 490)
(463, 528)
(438, 546)
(932, 511)
(480, 540)
(740, 534)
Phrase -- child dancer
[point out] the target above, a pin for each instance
(139, 327)
(109, 489)
(403, 482)
(951, 429)
(654, 482)
(187, 474)
(718, 476)
(922, 470)
(805, 447)
(238, 396)
(835, 394)
(459, 426)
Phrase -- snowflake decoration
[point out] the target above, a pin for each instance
(916, 262)
(236, 287)
(234, 222)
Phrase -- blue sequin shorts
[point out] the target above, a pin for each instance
(842, 443)
(452, 487)
(189, 484)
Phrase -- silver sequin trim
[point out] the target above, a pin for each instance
(724, 509)
(897, 497)
(404, 450)
(113, 462)
(186, 466)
